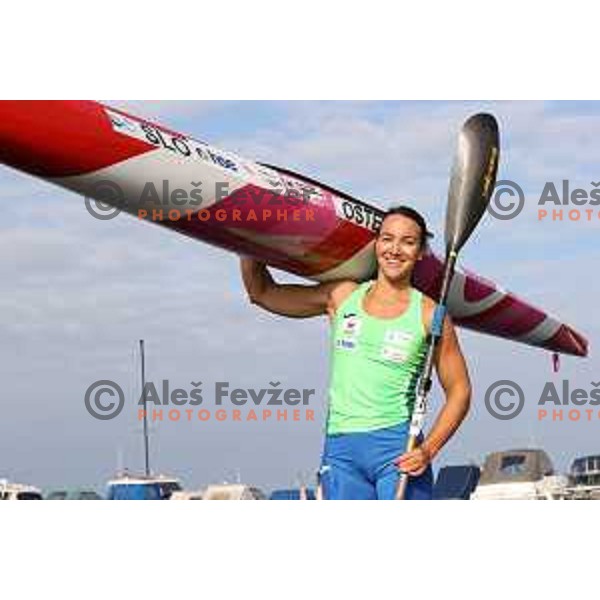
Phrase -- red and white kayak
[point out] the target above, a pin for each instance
(288, 220)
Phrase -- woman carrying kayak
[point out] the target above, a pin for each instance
(379, 333)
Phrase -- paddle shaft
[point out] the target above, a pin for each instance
(435, 335)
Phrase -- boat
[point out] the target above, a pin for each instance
(584, 479)
(233, 491)
(301, 493)
(187, 495)
(18, 491)
(146, 486)
(456, 482)
(72, 494)
(526, 474)
(142, 487)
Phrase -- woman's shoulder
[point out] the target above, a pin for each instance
(428, 305)
(340, 293)
(426, 301)
(343, 291)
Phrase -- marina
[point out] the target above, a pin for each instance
(519, 474)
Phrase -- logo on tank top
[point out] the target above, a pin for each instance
(396, 345)
(398, 337)
(351, 325)
(394, 354)
(349, 330)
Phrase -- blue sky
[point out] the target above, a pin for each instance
(77, 292)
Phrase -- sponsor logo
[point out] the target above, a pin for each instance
(397, 337)
(351, 325)
(345, 344)
(396, 355)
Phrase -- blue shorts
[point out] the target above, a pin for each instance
(361, 466)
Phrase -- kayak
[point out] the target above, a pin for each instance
(286, 219)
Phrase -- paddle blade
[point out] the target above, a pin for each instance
(473, 178)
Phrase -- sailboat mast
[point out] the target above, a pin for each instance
(146, 444)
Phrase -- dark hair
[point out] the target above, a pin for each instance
(411, 213)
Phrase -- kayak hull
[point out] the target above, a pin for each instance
(283, 218)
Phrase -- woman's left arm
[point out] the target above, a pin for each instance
(454, 379)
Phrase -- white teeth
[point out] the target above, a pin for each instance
(394, 262)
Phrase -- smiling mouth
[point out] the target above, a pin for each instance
(394, 262)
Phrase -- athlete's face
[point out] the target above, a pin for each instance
(397, 247)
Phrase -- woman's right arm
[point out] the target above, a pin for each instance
(291, 300)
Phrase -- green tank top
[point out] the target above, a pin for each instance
(375, 365)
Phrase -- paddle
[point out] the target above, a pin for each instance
(471, 184)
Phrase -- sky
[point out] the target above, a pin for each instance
(76, 293)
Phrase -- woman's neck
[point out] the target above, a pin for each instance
(389, 292)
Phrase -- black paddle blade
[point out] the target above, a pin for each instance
(473, 178)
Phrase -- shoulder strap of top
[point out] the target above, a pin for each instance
(416, 308)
